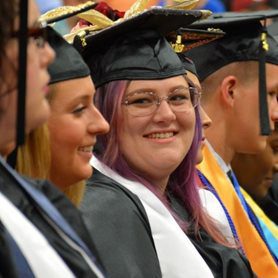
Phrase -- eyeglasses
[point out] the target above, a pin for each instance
(142, 103)
(39, 34)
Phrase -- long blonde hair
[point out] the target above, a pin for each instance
(34, 159)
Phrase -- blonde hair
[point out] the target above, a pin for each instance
(34, 158)
(75, 192)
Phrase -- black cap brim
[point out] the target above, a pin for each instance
(230, 19)
(191, 38)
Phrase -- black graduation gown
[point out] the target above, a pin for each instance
(7, 268)
(126, 230)
(18, 197)
(269, 204)
(223, 261)
(118, 221)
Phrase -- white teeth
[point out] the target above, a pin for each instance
(161, 135)
(86, 149)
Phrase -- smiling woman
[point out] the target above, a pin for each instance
(142, 201)
(73, 125)
(154, 144)
(35, 235)
(74, 121)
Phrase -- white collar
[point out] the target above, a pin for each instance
(177, 255)
(223, 165)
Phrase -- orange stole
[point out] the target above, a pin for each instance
(256, 251)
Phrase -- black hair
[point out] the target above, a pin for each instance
(8, 12)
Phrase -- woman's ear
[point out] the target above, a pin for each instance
(227, 90)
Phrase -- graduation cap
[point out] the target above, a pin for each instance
(68, 63)
(65, 12)
(135, 48)
(273, 30)
(188, 63)
(246, 39)
(188, 38)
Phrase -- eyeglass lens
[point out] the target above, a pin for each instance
(39, 34)
(145, 103)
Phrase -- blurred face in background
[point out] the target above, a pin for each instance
(246, 136)
(39, 56)
(205, 119)
(255, 172)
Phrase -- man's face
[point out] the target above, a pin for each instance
(272, 91)
(247, 112)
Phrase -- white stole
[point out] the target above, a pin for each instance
(215, 211)
(41, 257)
(177, 256)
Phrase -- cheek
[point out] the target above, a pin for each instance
(272, 108)
(275, 157)
(55, 135)
(131, 136)
(267, 160)
(133, 128)
(59, 133)
(187, 122)
(32, 75)
(9, 75)
(249, 120)
(8, 118)
(66, 132)
(34, 68)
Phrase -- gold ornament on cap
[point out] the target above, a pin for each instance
(65, 11)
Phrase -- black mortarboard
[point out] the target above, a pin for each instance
(241, 42)
(135, 48)
(246, 39)
(273, 29)
(68, 63)
(187, 39)
(188, 63)
(184, 39)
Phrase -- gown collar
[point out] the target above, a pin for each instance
(177, 255)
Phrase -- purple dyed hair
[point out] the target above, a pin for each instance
(182, 182)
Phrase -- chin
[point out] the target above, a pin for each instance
(199, 157)
(255, 148)
(7, 149)
(86, 173)
(262, 142)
